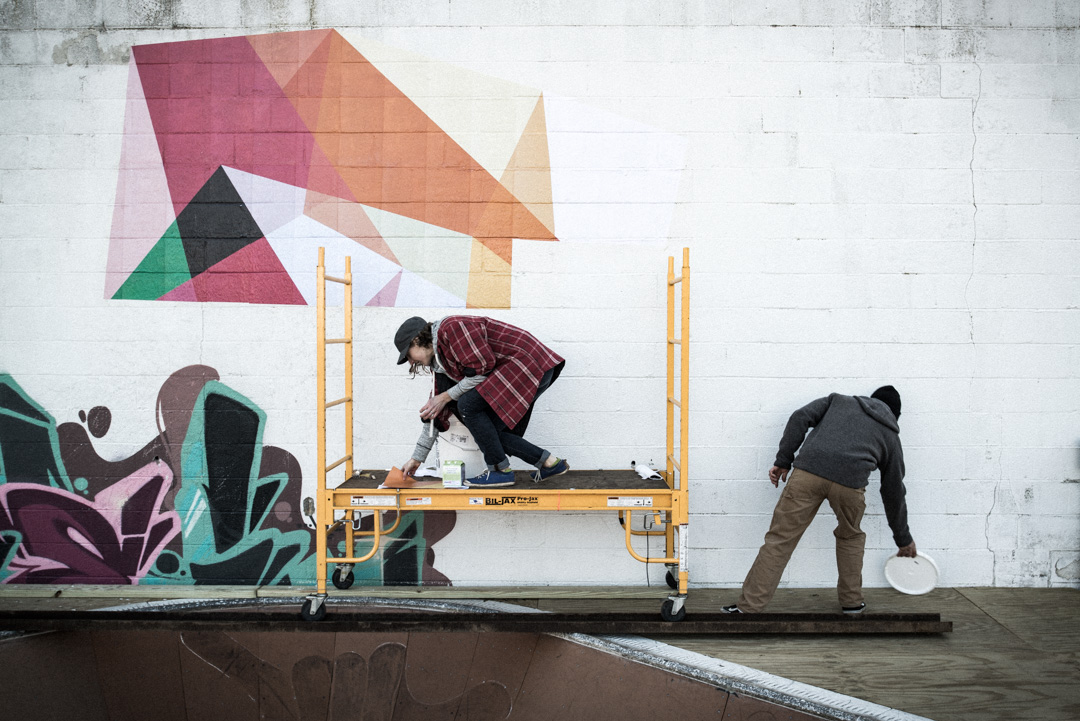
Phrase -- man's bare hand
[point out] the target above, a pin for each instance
(409, 467)
(907, 551)
(434, 406)
(777, 474)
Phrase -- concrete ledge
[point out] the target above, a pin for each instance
(432, 592)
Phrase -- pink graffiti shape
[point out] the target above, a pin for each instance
(115, 538)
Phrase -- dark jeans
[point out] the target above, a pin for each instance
(494, 437)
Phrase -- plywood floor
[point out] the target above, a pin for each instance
(1014, 653)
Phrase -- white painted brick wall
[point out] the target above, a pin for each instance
(875, 192)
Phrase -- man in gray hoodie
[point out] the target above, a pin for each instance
(852, 436)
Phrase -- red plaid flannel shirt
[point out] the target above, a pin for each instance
(513, 360)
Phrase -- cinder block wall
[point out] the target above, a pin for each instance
(873, 192)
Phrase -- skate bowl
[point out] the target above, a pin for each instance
(242, 674)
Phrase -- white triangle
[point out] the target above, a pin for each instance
(271, 203)
(439, 255)
(415, 292)
(297, 247)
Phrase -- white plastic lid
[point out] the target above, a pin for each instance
(914, 576)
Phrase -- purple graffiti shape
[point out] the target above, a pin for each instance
(113, 539)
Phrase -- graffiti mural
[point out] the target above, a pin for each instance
(408, 554)
(56, 536)
(345, 687)
(203, 502)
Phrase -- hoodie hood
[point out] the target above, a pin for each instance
(879, 412)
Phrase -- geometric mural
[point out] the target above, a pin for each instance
(243, 155)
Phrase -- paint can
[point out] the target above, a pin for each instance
(456, 444)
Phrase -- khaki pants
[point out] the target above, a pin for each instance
(795, 510)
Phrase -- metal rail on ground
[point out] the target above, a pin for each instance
(391, 621)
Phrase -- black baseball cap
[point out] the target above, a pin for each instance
(405, 334)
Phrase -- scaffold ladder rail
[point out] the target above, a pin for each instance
(677, 462)
(325, 515)
(680, 402)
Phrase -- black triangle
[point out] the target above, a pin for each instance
(215, 224)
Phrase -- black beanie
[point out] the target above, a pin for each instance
(889, 396)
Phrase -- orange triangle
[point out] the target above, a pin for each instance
(392, 156)
(284, 53)
(349, 219)
(528, 174)
(503, 217)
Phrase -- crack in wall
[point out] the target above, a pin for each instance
(986, 523)
(975, 207)
(971, 312)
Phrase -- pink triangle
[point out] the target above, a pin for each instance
(143, 207)
(215, 103)
(252, 274)
(184, 292)
(387, 297)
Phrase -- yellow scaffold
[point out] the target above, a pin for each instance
(624, 492)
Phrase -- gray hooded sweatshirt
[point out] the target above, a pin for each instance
(852, 436)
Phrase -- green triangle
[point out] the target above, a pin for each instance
(164, 268)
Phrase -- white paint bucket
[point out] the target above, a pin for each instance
(457, 444)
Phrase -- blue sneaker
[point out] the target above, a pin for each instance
(491, 479)
(558, 469)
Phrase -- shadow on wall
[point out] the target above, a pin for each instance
(204, 502)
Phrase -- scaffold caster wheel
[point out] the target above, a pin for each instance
(671, 580)
(317, 615)
(342, 582)
(668, 613)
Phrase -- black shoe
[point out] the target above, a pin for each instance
(854, 609)
(733, 608)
